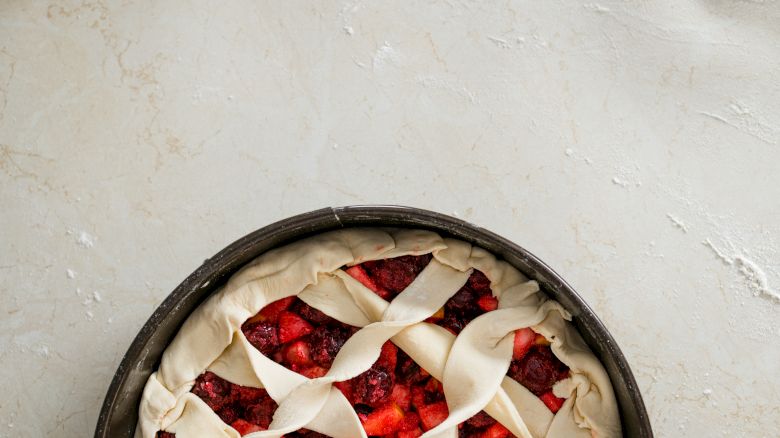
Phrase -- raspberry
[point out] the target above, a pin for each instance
(482, 419)
(228, 414)
(311, 314)
(374, 386)
(408, 371)
(262, 335)
(213, 390)
(397, 273)
(453, 322)
(246, 394)
(326, 343)
(464, 299)
(538, 370)
(261, 412)
(479, 283)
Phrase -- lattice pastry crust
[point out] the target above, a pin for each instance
(471, 366)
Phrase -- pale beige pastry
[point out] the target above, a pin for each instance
(471, 366)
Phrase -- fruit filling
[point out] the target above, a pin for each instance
(395, 398)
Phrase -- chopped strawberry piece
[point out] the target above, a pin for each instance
(415, 433)
(524, 338)
(402, 396)
(553, 403)
(433, 414)
(298, 355)
(314, 372)
(388, 356)
(271, 311)
(418, 396)
(410, 422)
(487, 303)
(244, 427)
(433, 385)
(495, 431)
(358, 273)
(292, 326)
(384, 420)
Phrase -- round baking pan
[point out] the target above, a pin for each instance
(119, 413)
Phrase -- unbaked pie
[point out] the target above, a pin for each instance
(378, 333)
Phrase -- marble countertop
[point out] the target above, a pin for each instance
(633, 146)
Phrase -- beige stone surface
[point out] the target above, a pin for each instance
(632, 145)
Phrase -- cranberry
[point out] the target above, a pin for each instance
(374, 386)
(538, 370)
(213, 390)
(263, 336)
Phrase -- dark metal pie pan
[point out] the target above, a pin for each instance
(119, 414)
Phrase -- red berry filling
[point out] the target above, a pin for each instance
(395, 398)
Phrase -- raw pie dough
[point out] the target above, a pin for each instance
(472, 366)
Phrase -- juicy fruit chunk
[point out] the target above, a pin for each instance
(213, 390)
(263, 336)
(482, 419)
(358, 273)
(271, 312)
(471, 301)
(248, 408)
(326, 342)
(487, 303)
(292, 326)
(496, 431)
(402, 396)
(395, 274)
(524, 338)
(432, 415)
(552, 402)
(538, 370)
(384, 420)
(245, 427)
(298, 355)
(374, 386)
